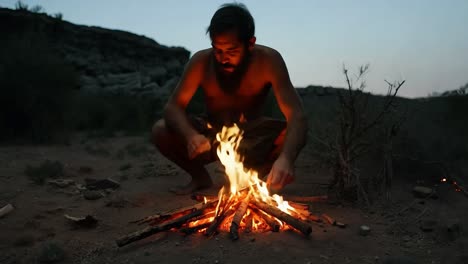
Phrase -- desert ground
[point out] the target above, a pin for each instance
(406, 229)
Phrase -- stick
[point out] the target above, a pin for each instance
(150, 230)
(301, 206)
(306, 199)
(248, 222)
(219, 219)
(161, 217)
(314, 218)
(305, 228)
(329, 219)
(236, 220)
(193, 229)
(271, 221)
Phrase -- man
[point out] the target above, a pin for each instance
(235, 75)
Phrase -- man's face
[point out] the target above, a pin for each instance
(229, 52)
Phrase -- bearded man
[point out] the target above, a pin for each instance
(235, 75)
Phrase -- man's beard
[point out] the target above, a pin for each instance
(230, 82)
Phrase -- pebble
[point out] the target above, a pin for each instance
(364, 230)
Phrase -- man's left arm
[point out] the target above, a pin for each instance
(296, 131)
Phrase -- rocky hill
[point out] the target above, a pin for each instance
(107, 60)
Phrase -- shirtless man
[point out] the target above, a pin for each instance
(235, 75)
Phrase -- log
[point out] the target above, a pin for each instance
(300, 206)
(150, 230)
(220, 218)
(271, 221)
(314, 218)
(238, 215)
(306, 199)
(171, 214)
(301, 226)
(193, 229)
(248, 222)
(329, 219)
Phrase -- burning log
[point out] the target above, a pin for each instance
(161, 217)
(193, 229)
(300, 206)
(220, 218)
(303, 227)
(150, 230)
(271, 221)
(236, 220)
(314, 218)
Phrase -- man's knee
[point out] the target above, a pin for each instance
(159, 133)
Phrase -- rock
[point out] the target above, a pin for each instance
(93, 184)
(83, 221)
(422, 192)
(92, 195)
(51, 253)
(61, 183)
(364, 230)
(428, 225)
(6, 210)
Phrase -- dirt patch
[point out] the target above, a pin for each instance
(409, 229)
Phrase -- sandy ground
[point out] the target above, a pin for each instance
(145, 177)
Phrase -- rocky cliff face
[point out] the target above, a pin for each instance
(108, 61)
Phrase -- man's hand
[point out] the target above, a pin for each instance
(197, 145)
(281, 174)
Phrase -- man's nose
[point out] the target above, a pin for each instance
(224, 59)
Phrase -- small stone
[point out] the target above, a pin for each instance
(428, 225)
(406, 238)
(93, 184)
(422, 192)
(177, 244)
(61, 183)
(92, 195)
(252, 239)
(364, 230)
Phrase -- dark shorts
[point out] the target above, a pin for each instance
(261, 142)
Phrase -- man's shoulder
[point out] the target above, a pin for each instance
(266, 54)
(201, 56)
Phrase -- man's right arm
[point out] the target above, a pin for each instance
(174, 112)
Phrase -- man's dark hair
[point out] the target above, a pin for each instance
(232, 16)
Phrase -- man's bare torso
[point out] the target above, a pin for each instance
(246, 99)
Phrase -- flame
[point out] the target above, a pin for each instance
(241, 178)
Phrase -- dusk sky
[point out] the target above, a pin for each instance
(424, 42)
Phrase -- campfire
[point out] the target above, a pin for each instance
(244, 206)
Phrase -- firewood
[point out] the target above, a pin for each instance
(306, 199)
(301, 206)
(171, 214)
(303, 227)
(314, 218)
(329, 219)
(150, 230)
(193, 229)
(236, 220)
(232, 207)
(271, 221)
